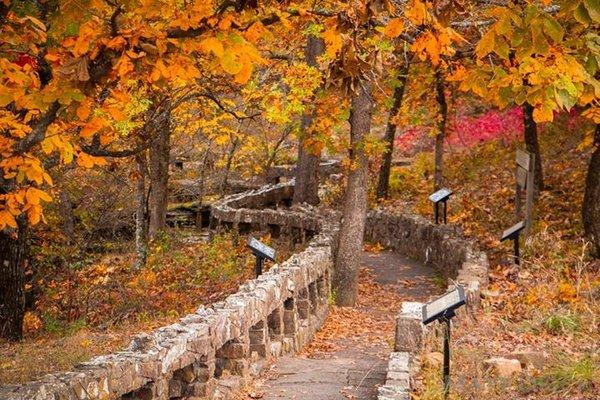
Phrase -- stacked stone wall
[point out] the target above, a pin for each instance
(211, 353)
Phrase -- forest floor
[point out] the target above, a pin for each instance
(95, 305)
(551, 303)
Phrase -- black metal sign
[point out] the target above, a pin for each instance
(441, 196)
(262, 252)
(443, 309)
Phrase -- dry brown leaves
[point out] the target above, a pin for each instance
(370, 322)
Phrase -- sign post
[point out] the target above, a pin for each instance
(441, 196)
(262, 252)
(513, 233)
(443, 310)
(525, 176)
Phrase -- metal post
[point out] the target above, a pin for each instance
(259, 266)
(436, 212)
(445, 211)
(447, 358)
(517, 255)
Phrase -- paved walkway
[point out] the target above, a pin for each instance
(354, 369)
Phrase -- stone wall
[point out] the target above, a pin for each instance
(210, 353)
(441, 246)
(266, 208)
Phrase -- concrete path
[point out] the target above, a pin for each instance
(354, 369)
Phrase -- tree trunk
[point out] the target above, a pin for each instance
(201, 184)
(141, 213)
(306, 188)
(532, 145)
(65, 208)
(591, 199)
(13, 262)
(440, 87)
(383, 184)
(350, 239)
(230, 155)
(159, 177)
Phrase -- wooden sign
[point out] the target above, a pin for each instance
(525, 185)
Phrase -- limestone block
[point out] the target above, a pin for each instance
(409, 328)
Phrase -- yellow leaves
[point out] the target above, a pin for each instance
(24, 200)
(593, 114)
(333, 42)
(427, 45)
(486, 44)
(394, 28)
(212, 45)
(35, 196)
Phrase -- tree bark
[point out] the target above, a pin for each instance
(159, 176)
(532, 145)
(13, 261)
(230, 155)
(591, 199)
(440, 89)
(350, 239)
(383, 184)
(306, 188)
(141, 213)
(201, 184)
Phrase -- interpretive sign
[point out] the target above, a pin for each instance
(441, 196)
(444, 306)
(525, 185)
(262, 253)
(261, 249)
(442, 309)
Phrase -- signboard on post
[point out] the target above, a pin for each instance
(441, 196)
(443, 309)
(262, 252)
(525, 186)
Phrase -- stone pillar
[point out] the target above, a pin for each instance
(303, 304)
(290, 325)
(233, 357)
(259, 339)
(409, 328)
(276, 331)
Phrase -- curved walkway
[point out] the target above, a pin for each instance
(348, 357)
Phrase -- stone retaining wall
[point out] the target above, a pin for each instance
(441, 246)
(210, 353)
(259, 210)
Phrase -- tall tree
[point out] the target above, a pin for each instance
(532, 145)
(354, 212)
(591, 200)
(383, 182)
(159, 156)
(440, 95)
(306, 189)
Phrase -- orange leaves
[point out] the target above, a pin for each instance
(87, 161)
(333, 42)
(394, 28)
(418, 13)
(24, 200)
(212, 45)
(92, 127)
(432, 47)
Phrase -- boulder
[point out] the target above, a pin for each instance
(502, 367)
